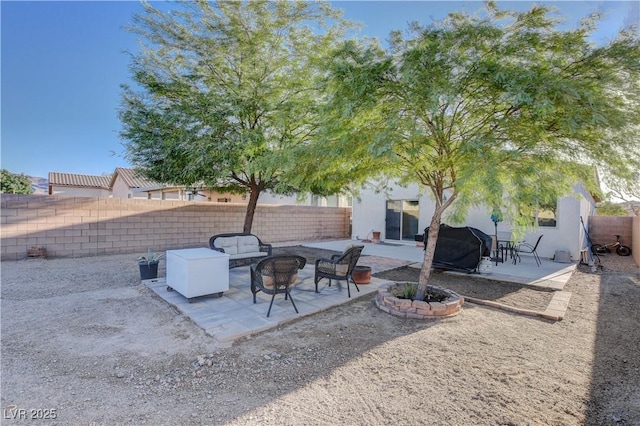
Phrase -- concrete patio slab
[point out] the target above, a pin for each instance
(549, 274)
(234, 315)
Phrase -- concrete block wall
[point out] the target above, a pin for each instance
(603, 229)
(90, 226)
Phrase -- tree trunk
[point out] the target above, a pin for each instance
(430, 250)
(251, 208)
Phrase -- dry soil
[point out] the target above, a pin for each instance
(83, 342)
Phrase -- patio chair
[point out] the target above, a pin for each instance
(276, 275)
(339, 267)
(524, 247)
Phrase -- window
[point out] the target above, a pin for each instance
(544, 215)
(547, 215)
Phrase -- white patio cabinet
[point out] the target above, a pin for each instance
(197, 272)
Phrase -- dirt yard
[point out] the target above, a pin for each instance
(83, 341)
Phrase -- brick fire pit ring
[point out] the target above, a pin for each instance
(417, 309)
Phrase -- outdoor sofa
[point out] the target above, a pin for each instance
(243, 249)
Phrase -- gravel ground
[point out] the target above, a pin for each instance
(83, 341)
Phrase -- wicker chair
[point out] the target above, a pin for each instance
(276, 275)
(339, 267)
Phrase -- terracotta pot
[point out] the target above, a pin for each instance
(362, 274)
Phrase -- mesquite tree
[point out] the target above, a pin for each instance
(224, 93)
(501, 108)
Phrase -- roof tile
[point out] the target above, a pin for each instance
(87, 181)
(133, 179)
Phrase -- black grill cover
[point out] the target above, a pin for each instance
(460, 249)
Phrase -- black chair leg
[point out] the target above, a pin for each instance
(537, 258)
(292, 302)
(271, 304)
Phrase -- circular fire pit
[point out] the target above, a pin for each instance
(418, 309)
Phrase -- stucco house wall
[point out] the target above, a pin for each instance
(369, 213)
(121, 190)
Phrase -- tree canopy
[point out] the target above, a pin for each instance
(226, 91)
(625, 185)
(607, 208)
(500, 108)
(12, 183)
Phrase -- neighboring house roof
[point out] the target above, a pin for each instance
(131, 178)
(75, 180)
(128, 176)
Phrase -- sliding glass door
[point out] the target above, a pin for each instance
(402, 219)
(393, 220)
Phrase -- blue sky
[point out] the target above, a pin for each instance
(63, 63)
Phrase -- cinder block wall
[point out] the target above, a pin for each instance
(89, 226)
(603, 229)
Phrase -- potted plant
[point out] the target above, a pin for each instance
(149, 265)
(362, 274)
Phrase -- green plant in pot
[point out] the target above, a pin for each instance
(149, 265)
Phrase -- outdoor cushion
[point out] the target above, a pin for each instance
(267, 280)
(228, 244)
(342, 268)
(248, 244)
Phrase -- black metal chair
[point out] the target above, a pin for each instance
(527, 248)
(339, 267)
(276, 275)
